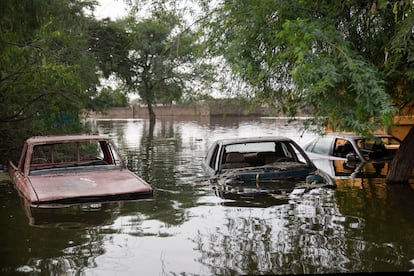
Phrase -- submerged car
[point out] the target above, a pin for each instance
(351, 155)
(261, 165)
(65, 169)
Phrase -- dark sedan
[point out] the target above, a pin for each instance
(261, 164)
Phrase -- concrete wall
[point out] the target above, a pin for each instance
(114, 112)
(205, 109)
(141, 111)
(208, 110)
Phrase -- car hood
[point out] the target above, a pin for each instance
(280, 176)
(87, 184)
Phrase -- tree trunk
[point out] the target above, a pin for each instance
(403, 163)
(151, 114)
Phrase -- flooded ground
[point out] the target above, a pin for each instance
(362, 226)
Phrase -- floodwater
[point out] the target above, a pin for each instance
(363, 225)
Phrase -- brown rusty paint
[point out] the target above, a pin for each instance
(75, 183)
(87, 184)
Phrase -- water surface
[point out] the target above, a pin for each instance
(362, 226)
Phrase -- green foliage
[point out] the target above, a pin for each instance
(161, 58)
(350, 62)
(110, 45)
(109, 97)
(53, 54)
(153, 57)
(47, 75)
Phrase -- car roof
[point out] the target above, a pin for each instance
(38, 140)
(353, 135)
(229, 141)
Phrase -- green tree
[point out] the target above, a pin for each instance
(46, 72)
(349, 62)
(109, 43)
(161, 60)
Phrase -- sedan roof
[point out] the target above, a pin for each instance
(353, 135)
(253, 139)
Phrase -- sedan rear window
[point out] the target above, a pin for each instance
(251, 147)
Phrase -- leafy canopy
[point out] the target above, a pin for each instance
(47, 75)
(45, 65)
(348, 62)
(155, 57)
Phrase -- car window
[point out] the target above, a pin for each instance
(342, 147)
(112, 156)
(322, 146)
(281, 148)
(310, 145)
(381, 147)
(67, 152)
(297, 155)
(371, 144)
(288, 151)
(22, 160)
(213, 157)
(251, 147)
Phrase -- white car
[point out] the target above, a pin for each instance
(352, 155)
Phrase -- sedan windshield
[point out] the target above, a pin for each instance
(269, 151)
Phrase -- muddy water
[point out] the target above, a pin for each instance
(362, 226)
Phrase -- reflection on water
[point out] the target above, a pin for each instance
(298, 237)
(362, 226)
